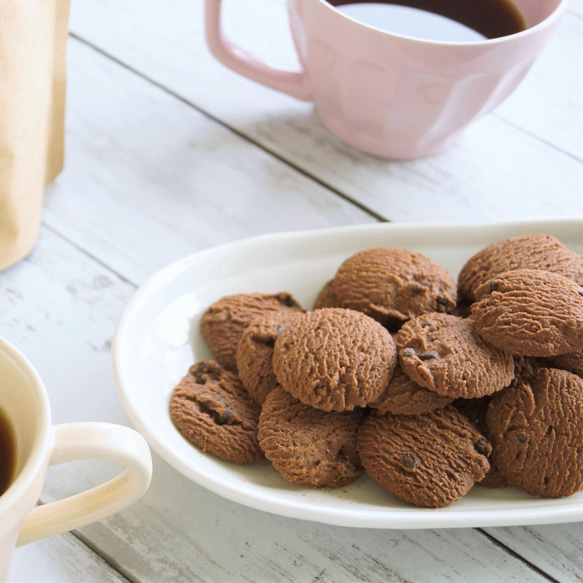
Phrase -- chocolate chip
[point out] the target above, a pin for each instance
(546, 479)
(443, 304)
(522, 437)
(429, 355)
(409, 352)
(483, 446)
(493, 286)
(417, 290)
(410, 460)
(266, 340)
(225, 416)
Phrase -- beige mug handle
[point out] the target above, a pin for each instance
(105, 441)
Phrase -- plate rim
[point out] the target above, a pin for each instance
(413, 518)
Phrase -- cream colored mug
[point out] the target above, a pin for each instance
(39, 444)
(390, 94)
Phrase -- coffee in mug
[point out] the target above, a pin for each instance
(7, 452)
(437, 20)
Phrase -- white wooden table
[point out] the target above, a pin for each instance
(170, 153)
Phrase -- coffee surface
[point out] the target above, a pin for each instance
(439, 20)
(7, 452)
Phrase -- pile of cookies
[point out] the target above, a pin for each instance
(427, 386)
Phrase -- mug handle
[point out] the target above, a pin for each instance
(295, 84)
(76, 441)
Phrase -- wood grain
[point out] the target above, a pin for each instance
(62, 559)
(148, 179)
(487, 175)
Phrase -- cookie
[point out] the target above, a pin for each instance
(529, 312)
(334, 359)
(394, 285)
(212, 410)
(223, 323)
(307, 446)
(327, 297)
(571, 361)
(475, 410)
(405, 397)
(442, 353)
(255, 353)
(429, 460)
(526, 252)
(536, 428)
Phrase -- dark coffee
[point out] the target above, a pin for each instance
(443, 20)
(7, 452)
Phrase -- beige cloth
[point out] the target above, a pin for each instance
(33, 36)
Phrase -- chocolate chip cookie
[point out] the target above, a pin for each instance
(327, 297)
(394, 285)
(571, 361)
(334, 359)
(307, 446)
(429, 460)
(539, 251)
(530, 312)
(405, 397)
(536, 428)
(442, 353)
(475, 410)
(255, 353)
(212, 410)
(223, 322)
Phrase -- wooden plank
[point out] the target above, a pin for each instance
(61, 559)
(560, 545)
(60, 307)
(149, 179)
(488, 175)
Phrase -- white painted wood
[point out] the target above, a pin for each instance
(149, 179)
(560, 545)
(62, 559)
(488, 175)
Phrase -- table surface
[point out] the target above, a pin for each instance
(170, 153)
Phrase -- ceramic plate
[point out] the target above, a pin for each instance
(158, 339)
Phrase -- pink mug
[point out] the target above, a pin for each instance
(388, 94)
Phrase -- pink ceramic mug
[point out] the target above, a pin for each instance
(392, 95)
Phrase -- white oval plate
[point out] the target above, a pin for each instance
(158, 338)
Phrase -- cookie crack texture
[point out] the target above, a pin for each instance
(334, 359)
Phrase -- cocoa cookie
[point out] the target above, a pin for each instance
(526, 252)
(475, 410)
(529, 312)
(212, 410)
(572, 361)
(429, 460)
(327, 297)
(255, 353)
(537, 431)
(223, 322)
(405, 397)
(394, 285)
(334, 359)
(308, 446)
(442, 353)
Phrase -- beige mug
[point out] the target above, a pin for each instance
(39, 444)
